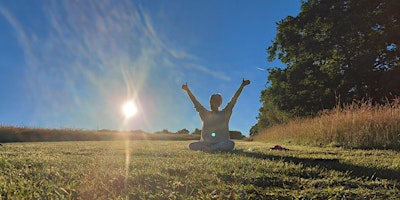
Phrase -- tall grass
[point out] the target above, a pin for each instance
(357, 125)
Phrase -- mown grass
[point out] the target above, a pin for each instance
(168, 170)
(358, 125)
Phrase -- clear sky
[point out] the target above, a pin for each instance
(72, 64)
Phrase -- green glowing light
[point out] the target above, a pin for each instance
(213, 134)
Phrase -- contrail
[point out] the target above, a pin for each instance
(260, 69)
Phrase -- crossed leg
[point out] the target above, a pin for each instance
(226, 145)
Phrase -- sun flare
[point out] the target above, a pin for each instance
(129, 109)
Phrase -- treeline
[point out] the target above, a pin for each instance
(232, 134)
(21, 134)
(26, 134)
(335, 52)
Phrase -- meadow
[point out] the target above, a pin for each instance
(145, 169)
(360, 125)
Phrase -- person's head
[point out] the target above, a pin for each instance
(215, 101)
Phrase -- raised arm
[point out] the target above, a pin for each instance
(237, 94)
(196, 103)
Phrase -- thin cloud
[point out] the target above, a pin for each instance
(22, 37)
(96, 53)
(215, 74)
(149, 28)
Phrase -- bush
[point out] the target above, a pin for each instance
(196, 131)
(235, 135)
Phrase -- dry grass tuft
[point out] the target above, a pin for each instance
(358, 125)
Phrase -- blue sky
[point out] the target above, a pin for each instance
(72, 64)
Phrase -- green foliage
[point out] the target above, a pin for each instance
(196, 131)
(335, 51)
(166, 170)
(183, 131)
(269, 114)
(235, 135)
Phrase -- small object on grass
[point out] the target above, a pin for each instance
(250, 149)
(279, 148)
(1, 144)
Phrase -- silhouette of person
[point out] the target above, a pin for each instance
(215, 123)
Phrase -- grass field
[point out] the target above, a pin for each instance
(168, 170)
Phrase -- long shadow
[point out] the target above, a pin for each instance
(330, 164)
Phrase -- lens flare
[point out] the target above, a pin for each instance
(127, 161)
(129, 109)
(213, 134)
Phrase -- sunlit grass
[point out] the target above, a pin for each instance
(359, 125)
(168, 170)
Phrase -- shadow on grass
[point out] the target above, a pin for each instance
(330, 164)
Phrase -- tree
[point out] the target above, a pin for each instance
(235, 135)
(196, 131)
(183, 131)
(335, 51)
(269, 115)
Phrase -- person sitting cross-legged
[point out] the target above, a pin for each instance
(215, 122)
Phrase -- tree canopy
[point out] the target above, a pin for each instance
(335, 52)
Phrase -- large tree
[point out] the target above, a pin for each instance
(335, 51)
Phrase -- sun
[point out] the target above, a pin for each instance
(129, 109)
